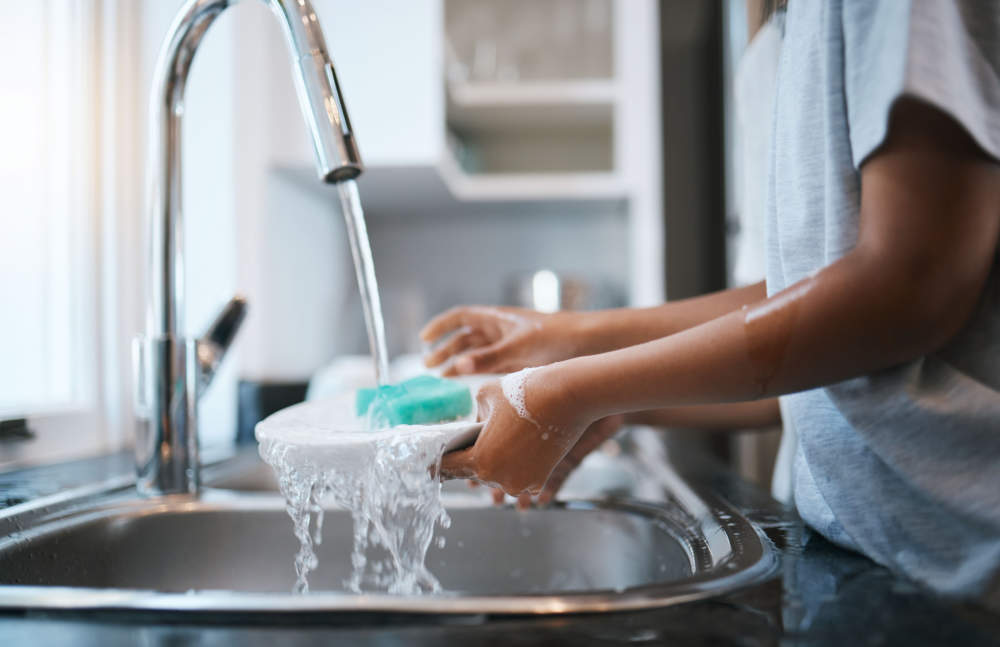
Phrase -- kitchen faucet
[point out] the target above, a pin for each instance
(172, 370)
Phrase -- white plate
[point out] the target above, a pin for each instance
(330, 424)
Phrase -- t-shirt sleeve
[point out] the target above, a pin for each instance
(943, 52)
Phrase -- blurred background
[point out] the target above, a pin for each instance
(547, 153)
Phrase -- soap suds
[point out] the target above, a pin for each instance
(513, 389)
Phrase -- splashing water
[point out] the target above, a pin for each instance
(383, 478)
(385, 482)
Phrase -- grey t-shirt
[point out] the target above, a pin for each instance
(904, 464)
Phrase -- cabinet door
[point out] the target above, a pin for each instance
(389, 60)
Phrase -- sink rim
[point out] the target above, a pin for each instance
(746, 562)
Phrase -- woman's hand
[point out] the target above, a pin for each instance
(592, 438)
(488, 339)
(515, 452)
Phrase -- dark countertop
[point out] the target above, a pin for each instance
(823, 596)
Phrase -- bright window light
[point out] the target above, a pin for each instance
(46, 214)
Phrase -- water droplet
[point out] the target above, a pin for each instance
(643, 635)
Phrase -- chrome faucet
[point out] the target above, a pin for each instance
(173, 370)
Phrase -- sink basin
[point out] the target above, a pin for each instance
(232, 551)
(248, 546)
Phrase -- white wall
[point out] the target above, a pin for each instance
(430, 253)
(429, 262)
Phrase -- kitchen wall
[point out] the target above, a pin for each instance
(257, 222)
(431, 250)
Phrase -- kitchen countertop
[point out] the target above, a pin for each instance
(823, 596)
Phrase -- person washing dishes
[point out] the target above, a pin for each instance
(878, 325)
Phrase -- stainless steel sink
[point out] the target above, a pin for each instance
(229, 551)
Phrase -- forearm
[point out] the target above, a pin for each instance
(927, 240)
(928, 235)
(608, 330)
(755, 414)
(853, 318)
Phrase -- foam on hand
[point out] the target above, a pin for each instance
(513, 389)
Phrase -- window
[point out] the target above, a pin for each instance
(46, 211)
(58, 70)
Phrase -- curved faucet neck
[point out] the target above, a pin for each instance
(337, 156)
(169, 370)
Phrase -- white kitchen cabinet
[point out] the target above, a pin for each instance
(549, 142)
(388, 57)
(391, 61)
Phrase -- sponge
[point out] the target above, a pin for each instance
(419, 400)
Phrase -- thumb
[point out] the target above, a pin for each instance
(458, 464)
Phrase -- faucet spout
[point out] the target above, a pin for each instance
(322, 103)
(166, 433)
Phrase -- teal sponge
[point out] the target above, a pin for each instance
(420, 400)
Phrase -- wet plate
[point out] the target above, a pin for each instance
(328, 428)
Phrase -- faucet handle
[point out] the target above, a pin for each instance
(214, 344)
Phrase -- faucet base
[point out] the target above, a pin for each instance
(166, 397)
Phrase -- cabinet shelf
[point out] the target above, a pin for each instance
(447, 189)
(531, 105)
(473, 187)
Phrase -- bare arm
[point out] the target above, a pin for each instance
(930, 217)
(488, 339)
(756, 414)
(608, 330)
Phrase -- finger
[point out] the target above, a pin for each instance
(523, 501)
(441, 324)
(557, 478)
(447, 321)
(482, 410)
(482, 360)
(554, 484)
(461, 341)
(458, 465)
(498, 496)
(472, 484)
